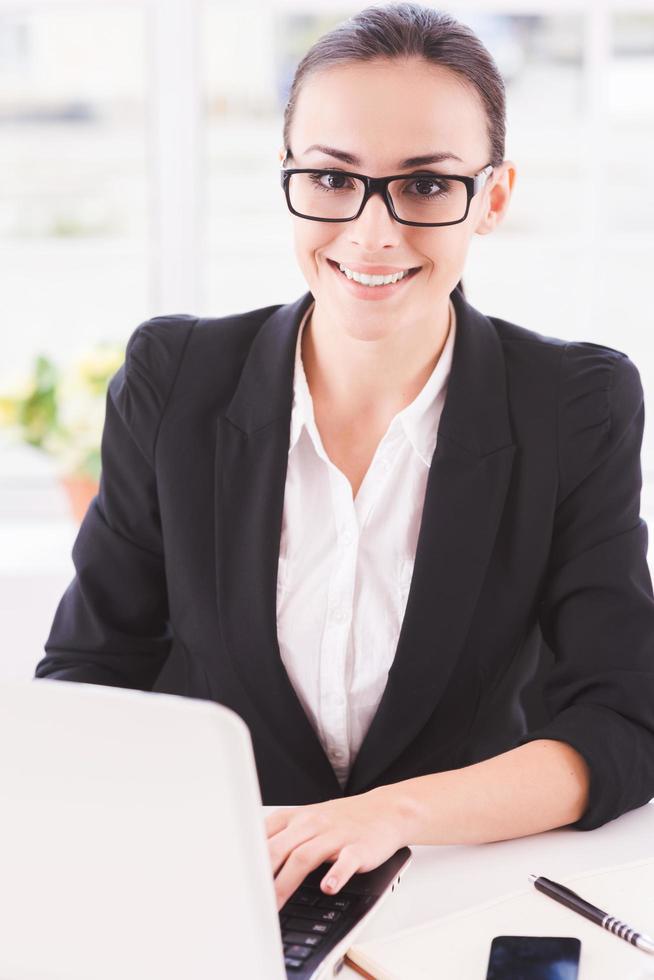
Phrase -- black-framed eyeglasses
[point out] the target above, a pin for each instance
(420, 198)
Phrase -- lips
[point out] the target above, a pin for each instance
(375, 270)
(371, 293)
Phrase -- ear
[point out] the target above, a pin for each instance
(495, 197)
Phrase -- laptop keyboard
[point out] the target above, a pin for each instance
(308, 921)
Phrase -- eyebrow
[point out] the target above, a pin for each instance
(403, 165)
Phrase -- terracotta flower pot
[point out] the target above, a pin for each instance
(80, 491)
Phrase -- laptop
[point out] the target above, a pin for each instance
(133, 845)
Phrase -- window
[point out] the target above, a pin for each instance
(74, 207)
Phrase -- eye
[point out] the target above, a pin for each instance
(330, 180)
(428, 186)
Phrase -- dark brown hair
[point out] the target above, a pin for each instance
(402, 31)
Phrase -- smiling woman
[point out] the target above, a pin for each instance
(362, 519)
(372, 223)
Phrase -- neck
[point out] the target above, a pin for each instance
(354, 377)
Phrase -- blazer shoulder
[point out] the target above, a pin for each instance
(157, 346)
(204, 353)
(532, 359)
(227, 339)
(142, 385)
(511, 333)
(600, 401)
(581, 366)
(245, 324)
(596, 389)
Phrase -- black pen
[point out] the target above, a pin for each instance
(573, 901)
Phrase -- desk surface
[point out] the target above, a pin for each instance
(439, 878)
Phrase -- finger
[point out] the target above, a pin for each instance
(282, 845)
(274, 822)
(300, 863)
(347, 863)
(305, 827)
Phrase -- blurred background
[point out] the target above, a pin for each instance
(139, 175)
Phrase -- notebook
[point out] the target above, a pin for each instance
(133, 846)
(458, 945)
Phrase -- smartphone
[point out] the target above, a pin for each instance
(534, 958)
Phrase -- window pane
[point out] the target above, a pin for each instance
(630, 139)
(249, 252)
(541, 61)
(631, 74)
(73, 194)
(622, 285)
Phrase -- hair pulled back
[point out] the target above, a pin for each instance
(403, 31)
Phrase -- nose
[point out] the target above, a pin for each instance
(375, 225)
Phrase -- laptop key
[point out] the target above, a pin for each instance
(299, 952)
(292, 963)
(313, 912)
(330, 915)
(333, 903)
(305, 896)
(306, 925)
(302, 939)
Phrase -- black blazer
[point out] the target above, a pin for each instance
(530, 542)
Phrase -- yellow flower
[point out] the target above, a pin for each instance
(96, 366)
(14, 391)
(62, 411)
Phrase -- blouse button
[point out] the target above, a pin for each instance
(339, 614)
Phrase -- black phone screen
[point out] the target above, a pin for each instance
(534, 958)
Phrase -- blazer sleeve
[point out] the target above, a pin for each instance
(597, 608)
(111, 625)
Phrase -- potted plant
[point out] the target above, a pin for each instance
(60, 410)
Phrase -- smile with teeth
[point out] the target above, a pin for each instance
(367, 280)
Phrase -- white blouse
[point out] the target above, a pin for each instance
(345, 565)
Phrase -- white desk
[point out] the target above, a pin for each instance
(440, 878)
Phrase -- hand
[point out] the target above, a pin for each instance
(358, 833)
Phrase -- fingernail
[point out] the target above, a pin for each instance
(331, 882)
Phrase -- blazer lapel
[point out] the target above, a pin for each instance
(251, 459)
(464, 498)
(465, 494)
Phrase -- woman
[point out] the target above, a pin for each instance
(356, 518)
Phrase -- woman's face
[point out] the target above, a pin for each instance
(381, 113)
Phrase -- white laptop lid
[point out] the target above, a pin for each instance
(132, 839)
